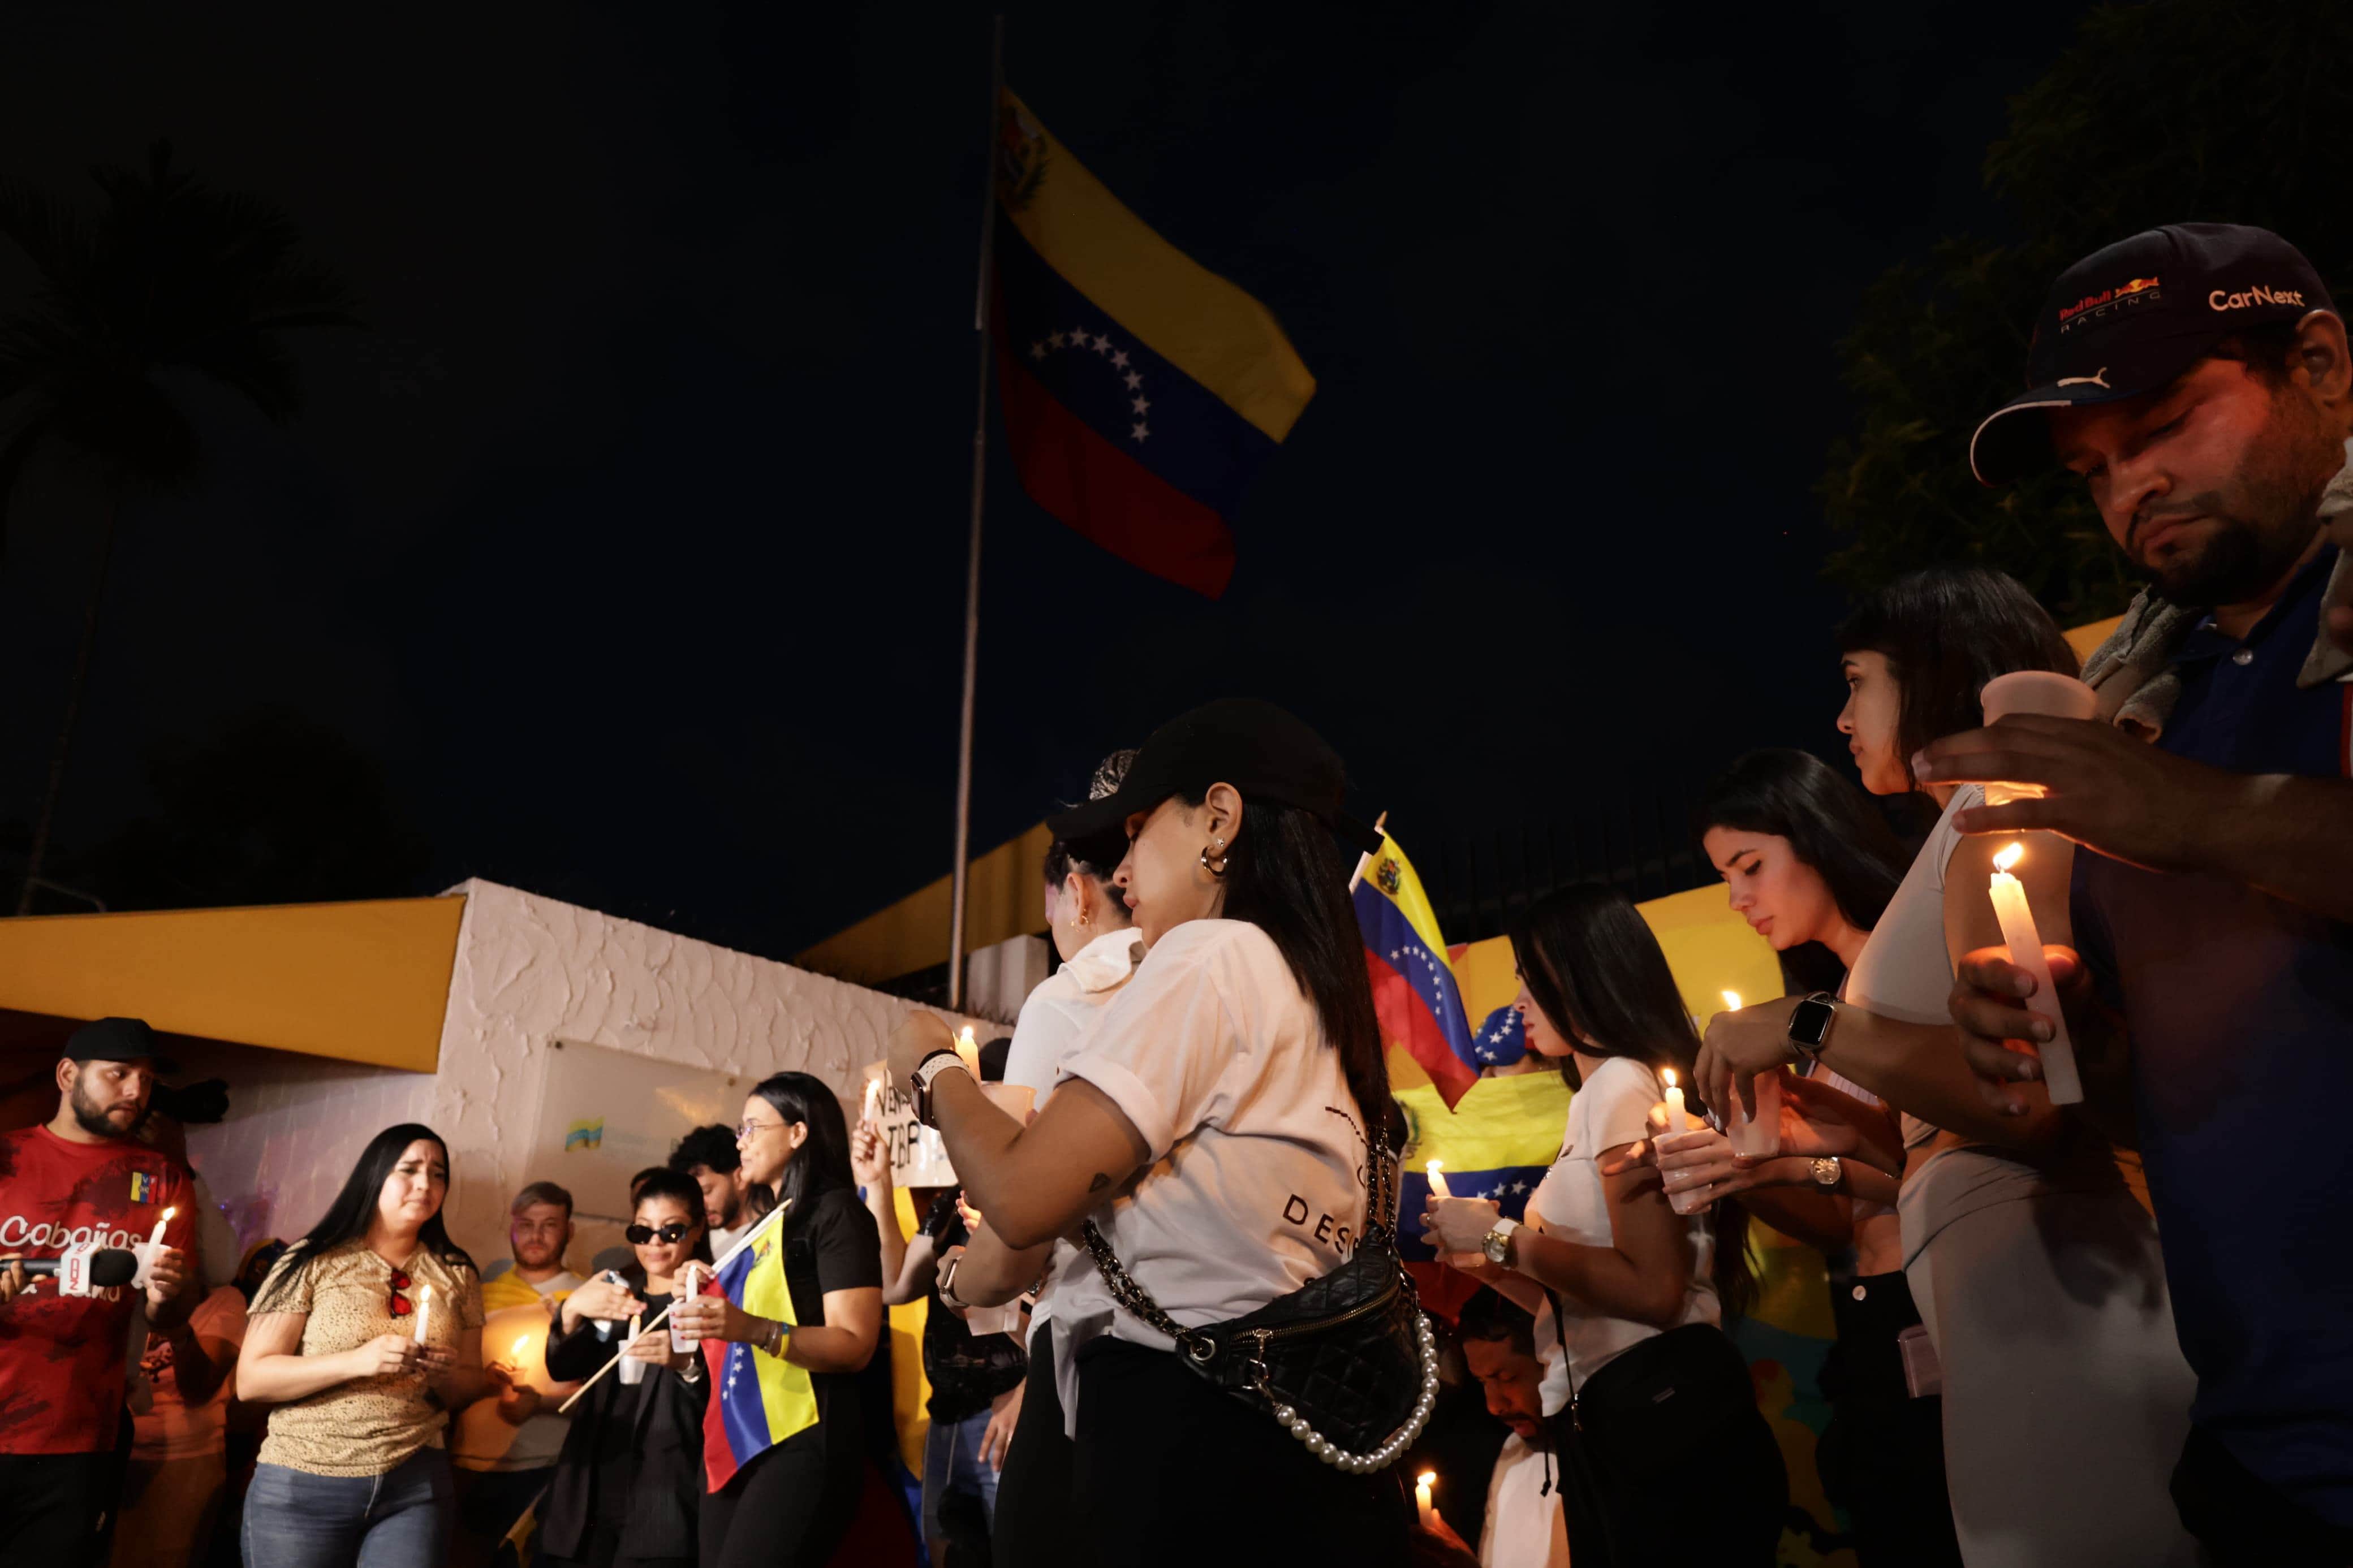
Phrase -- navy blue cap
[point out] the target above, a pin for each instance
(2130, 319)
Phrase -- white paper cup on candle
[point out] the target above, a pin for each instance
(2033, 691)
(633, 1371)
(1686, 1201)
(1759, 1139)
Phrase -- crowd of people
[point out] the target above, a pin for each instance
(1166, 1321)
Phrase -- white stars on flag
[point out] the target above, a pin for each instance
(1139, 431)
(1100, 342)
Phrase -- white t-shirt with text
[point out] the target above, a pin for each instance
(1255, 1183)
(1613, 1108)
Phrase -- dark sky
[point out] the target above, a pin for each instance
(629, 534)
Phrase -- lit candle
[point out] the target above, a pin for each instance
(967, 1051)
(874, 1099)
(1437, 1177)
(2025, 945)
(157, 1239)
(1732, 1001)
(1677, 1120)
(1423, 1484)
(424, 1310)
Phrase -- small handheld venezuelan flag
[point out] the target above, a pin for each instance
(757, 1400)
(1140, 391)
(1415, 992)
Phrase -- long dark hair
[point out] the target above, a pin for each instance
(822, 1161)
(1285, 875)
(1591, 963)
(1833, 828)
(347, 1219)
(1946, 631)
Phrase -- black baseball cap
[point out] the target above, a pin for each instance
(117, 1040)
(2129, 319)
(1258, 748)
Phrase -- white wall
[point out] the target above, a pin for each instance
(529, 970)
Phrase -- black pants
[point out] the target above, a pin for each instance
(1169, 1471)
(1883, 1457)
(58, 1508)
(2244, 1520)
(1666, 1462)
(1033, 1522)
(790, 1507)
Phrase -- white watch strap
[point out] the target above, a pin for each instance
(1504, 1227)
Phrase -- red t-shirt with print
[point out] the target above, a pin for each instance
(61, 1357)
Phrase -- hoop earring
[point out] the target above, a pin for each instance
(1215, 866)
(1084, 920)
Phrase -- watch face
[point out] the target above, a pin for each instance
(1810, 1025)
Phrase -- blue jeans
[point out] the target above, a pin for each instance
(952, 1463)
(397, 1520)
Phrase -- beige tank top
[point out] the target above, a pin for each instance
(1903, 971)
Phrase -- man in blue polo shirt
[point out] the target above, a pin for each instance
(2198, 377)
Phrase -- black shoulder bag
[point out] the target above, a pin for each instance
(1346, 1362)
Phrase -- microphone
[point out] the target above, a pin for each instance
(107, 1266)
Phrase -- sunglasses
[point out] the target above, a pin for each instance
(400, 1307)
(673, 1233)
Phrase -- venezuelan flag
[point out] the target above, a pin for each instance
(757, 1401)
(1497, 1142)
(1415, 992)
(1140, 390)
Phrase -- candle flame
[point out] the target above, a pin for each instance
(170, 1212)
(1433, 1166)
(1668, 1074)
(1732, 1000)
(1427, 1478)
(519, 1345)
(2008, 858)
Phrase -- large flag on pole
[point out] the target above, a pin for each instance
(1415, 992)
(1140, 390)
(757, 1401)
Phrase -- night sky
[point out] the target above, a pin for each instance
(628, 535)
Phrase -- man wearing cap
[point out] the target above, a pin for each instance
(81, 1177)
(2197, 377)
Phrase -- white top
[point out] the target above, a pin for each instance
(1905, 970)
(1054, 1019)
(1253, 1186)
(1612, 1109)
(1525, 1526)
(170, 1427)
(1065, 1006)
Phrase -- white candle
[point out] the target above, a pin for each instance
(424, 1310)
(967, 1050)
(1437, 1177)
(1678, 1121)
(1422, 1502)
(157, 1239)
(633, 1371)
(2025, 945)
(874, 1099)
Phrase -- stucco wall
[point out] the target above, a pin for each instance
(531, 969)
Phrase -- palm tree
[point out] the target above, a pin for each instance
(168, 276)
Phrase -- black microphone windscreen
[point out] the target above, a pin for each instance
(112, 1265)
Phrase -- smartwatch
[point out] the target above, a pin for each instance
(1497, 1243)
(1827, 1172)
(1810, 1025)
(926, 1073)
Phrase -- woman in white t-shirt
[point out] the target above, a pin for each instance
(1214, 1127)
(2038, 1276)
(1652, 1405)
(1094, 934)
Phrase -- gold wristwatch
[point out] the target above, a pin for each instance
(1497, 1243)
(1828, 1172)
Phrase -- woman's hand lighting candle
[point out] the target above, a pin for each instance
(1437, 1169)
(2025, 945)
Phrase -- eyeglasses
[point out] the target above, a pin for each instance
(746, 1129)
(673, 1233)
(400, 1307)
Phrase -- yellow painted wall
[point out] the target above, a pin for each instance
(359, 982)
(1710, 949)
(1002, 898)
(2086, 638)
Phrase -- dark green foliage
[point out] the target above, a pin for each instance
(2173, 111)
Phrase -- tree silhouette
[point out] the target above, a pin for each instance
(166, 276)
(2172, 112)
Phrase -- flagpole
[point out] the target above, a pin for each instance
(979, 480)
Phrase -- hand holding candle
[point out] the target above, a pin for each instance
(633, 1371)
(151, 1250)
(2025, 944)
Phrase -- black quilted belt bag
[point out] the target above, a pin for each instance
(1346, 1362)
